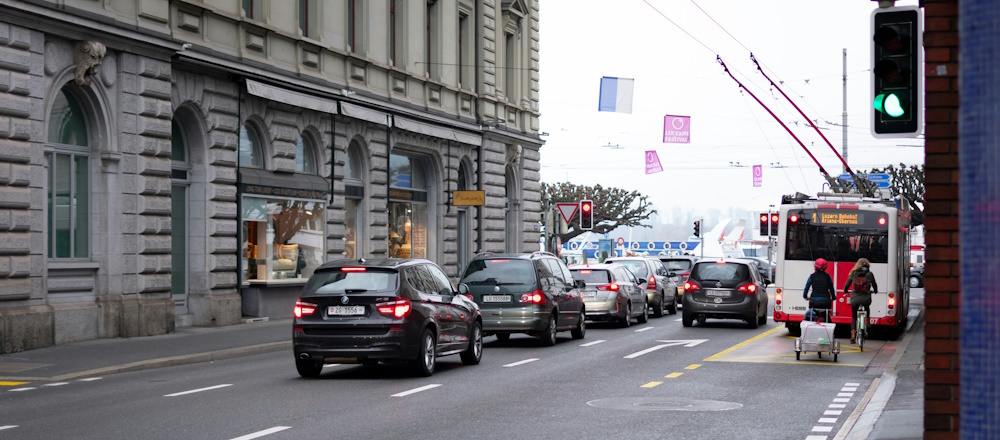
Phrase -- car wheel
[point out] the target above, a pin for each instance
(658, 307)
(763, 319)
(581, 328)
(424, 364)
(644, 316)
(548, 337)
(627, 320)
(308, 368)
(673, 307)
(752, 321)
(503, 337)
(914, 281)
(473, 354)
(687, 319)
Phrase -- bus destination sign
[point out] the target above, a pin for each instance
(838, 218)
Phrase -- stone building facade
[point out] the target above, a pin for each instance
(190, 162)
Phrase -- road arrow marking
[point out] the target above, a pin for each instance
(686, 343)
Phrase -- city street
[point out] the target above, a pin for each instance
(655, 380)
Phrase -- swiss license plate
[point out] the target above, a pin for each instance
(589, 295)
(496, 298)
(718, 293)
(346, 310)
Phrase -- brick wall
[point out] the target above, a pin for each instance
(941, 377)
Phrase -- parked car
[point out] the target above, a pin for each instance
(654, 280)
(725, 289)
(532, 293)
(612, 293)
(767, 268)
(917, 276)
(366, 311)
(680, 267)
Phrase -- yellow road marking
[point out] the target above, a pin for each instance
(674, 375)
(651, 384)
(11, 384)
(741, 344)
(692, 366)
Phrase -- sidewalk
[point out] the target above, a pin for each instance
(107, 356)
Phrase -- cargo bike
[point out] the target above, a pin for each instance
(817, 336)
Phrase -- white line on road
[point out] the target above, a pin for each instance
(644, 329)
(263, 433)
(199, 390)
(816, 437)
(521, 362)
(22, 389)
(837, 405)
(678, 319)
(841, 400)
(417, 390)
(848, 389)
(822, 428)
(8, 427)
(648, 350)
(827, 420)
(331, 365)
(832, 412)
(594, 343)
(91, 379)
(845, 394)
(55, 384)
(852, 384)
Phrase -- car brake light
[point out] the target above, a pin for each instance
(651, 285)
(748, 288)
(586, 271)
(536, 297)
(303, 309)
(690, 286)
(353, 269)
(396, 309)
(720, 261)
(613, 287)
(686, 274)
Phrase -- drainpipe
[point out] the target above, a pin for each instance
(479, 154)
(239, 194)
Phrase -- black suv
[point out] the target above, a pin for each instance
(725, 289)
(532, 293)
(361, 311)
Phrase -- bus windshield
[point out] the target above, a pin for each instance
(837, 236)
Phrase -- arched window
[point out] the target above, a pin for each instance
(251, 148)
(354, 202)
(68, 179)
(305, 155)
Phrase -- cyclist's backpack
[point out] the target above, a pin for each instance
(861, 285)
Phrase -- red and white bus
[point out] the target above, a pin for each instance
(841, 228)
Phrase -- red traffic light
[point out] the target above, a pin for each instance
(585, 207)
(774, 218)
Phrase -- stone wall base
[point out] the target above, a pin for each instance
(26, 328)
(214, 310)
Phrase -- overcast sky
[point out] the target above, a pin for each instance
(800, 42)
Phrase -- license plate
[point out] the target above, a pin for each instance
(496, 298)
(719, 293)
(589, 295)
(346, 310)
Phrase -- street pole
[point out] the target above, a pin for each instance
(845, 112)
(701, 235)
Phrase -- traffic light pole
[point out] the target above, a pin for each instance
(701, 235)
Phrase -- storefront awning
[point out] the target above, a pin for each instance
(291, 97)
(364, 114)
(436, 131)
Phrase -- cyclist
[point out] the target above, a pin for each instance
(822, 288)
(862, 283)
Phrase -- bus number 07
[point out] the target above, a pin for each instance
(873, 321)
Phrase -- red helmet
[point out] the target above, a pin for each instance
(820, 264)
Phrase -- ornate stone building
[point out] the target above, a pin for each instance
(191, 162)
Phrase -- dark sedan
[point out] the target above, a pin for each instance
(725, 289)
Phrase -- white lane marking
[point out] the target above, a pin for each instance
(849, 389)
(331, 365)
(822, 428)
(832, 412)
(55, 384)
(8, 427)
(837, 405)
(91, 379)
(852, 384)
(678, 319)
(845, 394)
(594, 343)
(841, 400)
(22, 389)
(644, 329)
(816, 437)
(648, 350)
(827, 420)
(416, 390)
(199, 390)
(521, 362)
(262, 433)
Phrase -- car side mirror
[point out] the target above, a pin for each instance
(463, 289)
(642, 280)
(580, 284)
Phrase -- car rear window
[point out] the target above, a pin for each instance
(499, 271)
(673, 265)
(637, 267)
(356, 281)
(720, 272)
(591, 275)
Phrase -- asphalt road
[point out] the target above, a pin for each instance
(655, 380)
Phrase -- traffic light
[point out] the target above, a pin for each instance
(586, 215)
(897, 72)
(764, 225)
(697, 229)
(774, 223)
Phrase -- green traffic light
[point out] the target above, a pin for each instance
(889, 105)
(878, 101)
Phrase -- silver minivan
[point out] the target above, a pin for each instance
(612, 293)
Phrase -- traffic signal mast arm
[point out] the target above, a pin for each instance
(863, 185)
(831, 179)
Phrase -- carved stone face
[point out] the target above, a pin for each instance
(88, 57)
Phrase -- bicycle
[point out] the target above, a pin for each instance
(861, 330)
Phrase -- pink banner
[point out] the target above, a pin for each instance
(652, 162)
(676, 129)
(758, 175)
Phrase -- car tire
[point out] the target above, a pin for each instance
(426, 357)
(548, 337)
(763, 319)
(752, 321)
(658, 307)
(503, 337)
(644, 316)
(473, 354)
(627, 320)
(581, 328)
(687, 319)
(673, 307)
(309, 369)
(914, 281)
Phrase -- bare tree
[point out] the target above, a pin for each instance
(907, 181)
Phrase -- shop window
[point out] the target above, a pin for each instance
(305, 155)
(354, 206)
(408, 207)
(283, 238)
(68, 180)
(251, 148)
